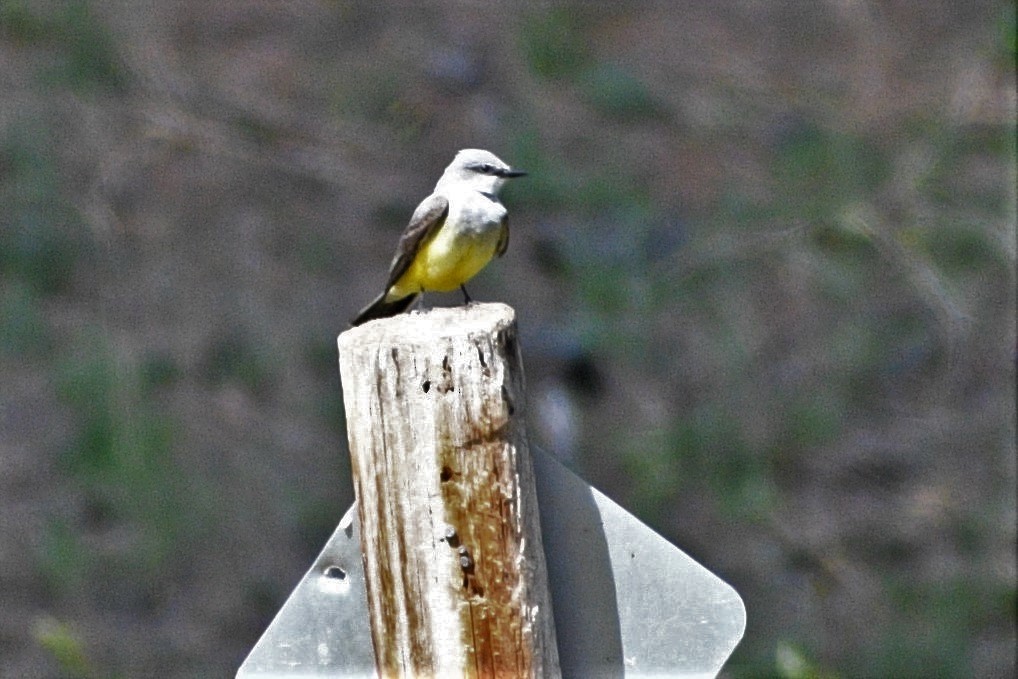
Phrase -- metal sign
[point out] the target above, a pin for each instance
(627, 603)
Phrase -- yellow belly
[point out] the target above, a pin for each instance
(446, 262)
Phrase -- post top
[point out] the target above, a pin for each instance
(432, 324)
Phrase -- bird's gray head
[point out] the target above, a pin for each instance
(479, 170)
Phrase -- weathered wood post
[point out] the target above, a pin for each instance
(453, 561)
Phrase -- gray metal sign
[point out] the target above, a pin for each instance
(627, 603)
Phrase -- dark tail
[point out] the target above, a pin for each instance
(379, 308)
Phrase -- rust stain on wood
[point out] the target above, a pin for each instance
(481, 494)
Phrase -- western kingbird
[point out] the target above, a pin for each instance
(451, 236)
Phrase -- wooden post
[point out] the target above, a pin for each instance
(453, 561)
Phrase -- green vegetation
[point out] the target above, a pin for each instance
(818, 170)
(23, 328)
(238, 357)
(556, 48)
(41, 235)
(615, 92)
(87, 61)
(122, 454)
(66, 646)
(554, 44)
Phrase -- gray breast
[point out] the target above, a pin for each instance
(480, 214)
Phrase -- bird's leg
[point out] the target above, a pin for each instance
(466, 295)
(416, 303)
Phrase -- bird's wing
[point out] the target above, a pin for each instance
(503, 239)
(426, 220)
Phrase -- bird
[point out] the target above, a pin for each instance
(452, 235)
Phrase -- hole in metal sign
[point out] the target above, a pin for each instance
(335, 572)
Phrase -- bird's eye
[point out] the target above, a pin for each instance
(488, 168)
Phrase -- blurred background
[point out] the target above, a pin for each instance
(763, 265)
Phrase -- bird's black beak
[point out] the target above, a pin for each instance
(511, 173)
